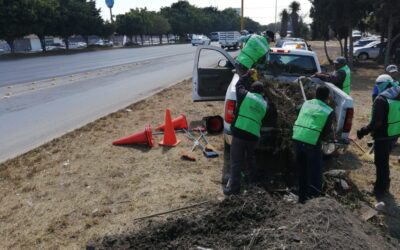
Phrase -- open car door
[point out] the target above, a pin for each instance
(212, 74)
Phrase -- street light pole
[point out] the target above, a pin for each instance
(110, 4)
(111, 15)
(242, 17)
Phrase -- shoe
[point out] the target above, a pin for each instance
(231, 191)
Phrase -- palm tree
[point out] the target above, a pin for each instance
(284, 22)
(294, 16)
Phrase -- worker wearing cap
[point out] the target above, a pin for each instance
(255, 51)
(341, 77)
(250, 111)
(384, 126)
(313, 124)
(393, 71)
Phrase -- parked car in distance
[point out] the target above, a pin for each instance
(356, 35)
(78, 45)
(369, 51)
(281, 41)
(214, 36)
(104, 43)
(55, 46)
(200, 40)
(363, 42)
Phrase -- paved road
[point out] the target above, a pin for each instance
(70, 91)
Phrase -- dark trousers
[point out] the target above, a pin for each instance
(309, 167)
(242, 152)
(382, 149)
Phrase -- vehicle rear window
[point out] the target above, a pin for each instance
(293, 65)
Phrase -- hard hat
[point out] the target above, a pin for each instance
(340, 60)
(392, 68)
(384, 78)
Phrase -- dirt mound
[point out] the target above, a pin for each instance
(256, 220)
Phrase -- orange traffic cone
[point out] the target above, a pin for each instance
(169, 139)
(144, 137)
(179, 123)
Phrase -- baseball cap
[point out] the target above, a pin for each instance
(391, 68)
(340, 60)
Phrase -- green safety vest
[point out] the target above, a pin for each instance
(251, 113)
(256, 47)
(311, 121)
(347, 80)
(393, 118)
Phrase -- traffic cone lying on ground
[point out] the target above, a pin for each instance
(144, 137)
(169, 138)
(178, 123)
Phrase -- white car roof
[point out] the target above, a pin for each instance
(301, 52)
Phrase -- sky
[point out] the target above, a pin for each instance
(260, 11)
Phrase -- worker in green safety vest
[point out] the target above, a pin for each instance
(341, 77)
(255, 51)
(384, 126)
(313, 124)
(251, 109)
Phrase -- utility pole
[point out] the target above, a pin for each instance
(242, 17)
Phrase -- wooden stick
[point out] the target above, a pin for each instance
(171, 211)
(358, 145)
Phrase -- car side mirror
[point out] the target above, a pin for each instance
(222, 63)
(324, 69)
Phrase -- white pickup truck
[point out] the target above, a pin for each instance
(229, 39)
(217, 83)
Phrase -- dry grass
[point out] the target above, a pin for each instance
(79, 186)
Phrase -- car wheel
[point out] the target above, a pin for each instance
(227, 164)
(363, 56)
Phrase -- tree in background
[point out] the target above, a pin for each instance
(90, 22)
(294, 17)
(181, 16)
(251, 25)
(70, 14)
(284, 23)
(44, 15)
(159, 25)
(128, 24)
(16, 18)
(107, 30)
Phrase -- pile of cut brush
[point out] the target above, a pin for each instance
(285, 100)
(255, 220)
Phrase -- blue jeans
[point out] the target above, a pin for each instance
(309, 167)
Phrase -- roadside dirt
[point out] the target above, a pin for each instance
(79, 188)
(257, 220)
